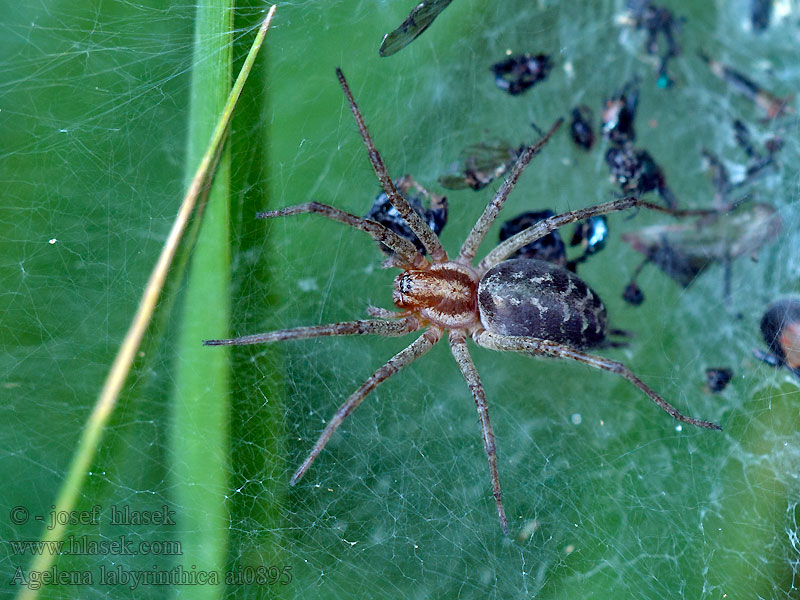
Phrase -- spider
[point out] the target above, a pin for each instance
(518, 305)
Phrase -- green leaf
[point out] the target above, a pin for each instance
(199, 444)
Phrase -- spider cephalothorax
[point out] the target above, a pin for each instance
(520, 305)
(445, 294)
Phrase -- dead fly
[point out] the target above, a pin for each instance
(590, 235)
(684, 250)
(633, 169)
(580, 128)
(717, 379)
(636, 173)
(387, 215)
(479, 164)
(655, 20)
(550, 248)
(780, 327)
(418, 21)
(741, 84)
(517, 74)
(619, 113)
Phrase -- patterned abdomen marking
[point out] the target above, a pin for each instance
(525, 297)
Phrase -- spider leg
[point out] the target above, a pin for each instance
(492, 209)
(505, 249)
(396, 328)
(385, 313)
(458, 346)
(401, 246)
(428, 238)
(536, 346)
(405, 357)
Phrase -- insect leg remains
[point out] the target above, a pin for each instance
(535, 346)
(401, 246)
(405, 357)
(428, 238)
(458, 345)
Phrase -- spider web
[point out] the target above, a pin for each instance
(606, 496)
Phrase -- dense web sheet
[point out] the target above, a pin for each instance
(606, 495)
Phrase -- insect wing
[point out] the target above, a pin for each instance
(675, 249)
(752, 228)
(454, 182)
(741, 232)
(417, 22)
(492, 159)
(683, 250)
(479, 165)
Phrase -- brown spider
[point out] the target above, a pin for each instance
(521, 305)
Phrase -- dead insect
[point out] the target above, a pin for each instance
(619, 113)
(550, 248)
(480, 164)
(723, 185)
(384, 213)
(637, 173)
(633, 294)
(590, 234)
(718, 379)
(780, 327)
(655, 20)
(417, 22)
(517, 74)
(721, 234)
(580, 128)
(758, 161)
(633, 169)
(683, 250)
(526, 306)
(741, 84)
(760, 14)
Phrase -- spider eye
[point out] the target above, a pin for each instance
(404, 283)
(407, 290)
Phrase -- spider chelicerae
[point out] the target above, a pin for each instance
(521, 305)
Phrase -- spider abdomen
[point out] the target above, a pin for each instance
(526, 297)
